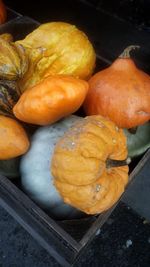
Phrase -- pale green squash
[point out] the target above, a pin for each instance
(139, 142)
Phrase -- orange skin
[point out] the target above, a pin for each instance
(79, 164)
(87, 199)
(120, 92)
(13, 138)
(50, 100)
(3, 12)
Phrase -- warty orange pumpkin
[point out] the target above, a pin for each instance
(120, 92)
(81, 164)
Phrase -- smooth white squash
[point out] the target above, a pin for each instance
(36, 178)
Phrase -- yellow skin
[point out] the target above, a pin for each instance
(57, 48)
(13, 60)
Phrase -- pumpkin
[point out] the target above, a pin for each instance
(82, 164)
(120, 92)
(3, 12)
(36, 180)
(13, 138)
(9, 95)
(139, 141)
(13, 60)
(52, 99)
(57, 48)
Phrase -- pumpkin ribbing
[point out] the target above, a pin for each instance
(79, 164)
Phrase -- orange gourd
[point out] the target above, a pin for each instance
(3, 12)
(120, 92)
(52, 99)
(13, 138)
(82, 164)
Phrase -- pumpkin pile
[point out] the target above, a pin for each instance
(82, 162)
(33, 67)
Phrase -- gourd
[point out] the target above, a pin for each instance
(57, 48)
(13, 60)
(7, 37)
(120, 92)
(3, 12)
(36, 179)
(53, 98)
(84, 164)
(9, 95)
(13, 138)
(139, 141)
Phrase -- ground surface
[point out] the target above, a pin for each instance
(124, 241)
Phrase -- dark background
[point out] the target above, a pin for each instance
(135, 11)
(111, 25)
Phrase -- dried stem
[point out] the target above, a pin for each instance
(127, 50)
(133, 130)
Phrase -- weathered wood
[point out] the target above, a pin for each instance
(44, 229)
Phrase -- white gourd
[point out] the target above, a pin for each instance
(36, 178)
